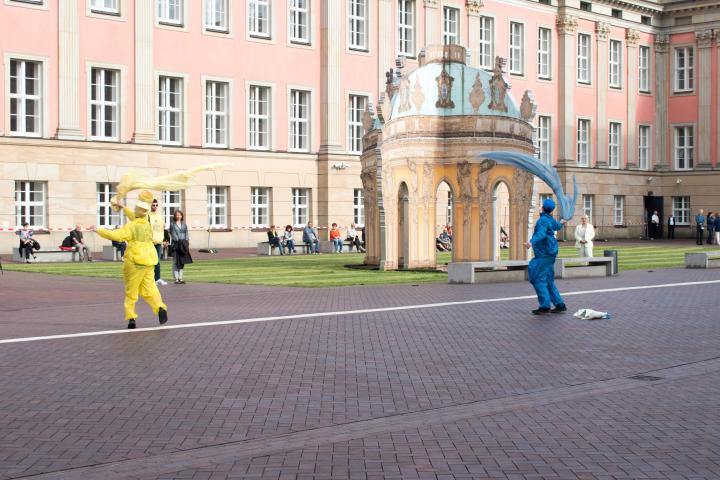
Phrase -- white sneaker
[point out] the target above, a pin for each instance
(161, 282)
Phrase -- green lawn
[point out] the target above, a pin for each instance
(338, 270)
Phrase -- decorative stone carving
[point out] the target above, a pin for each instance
(464, 180)
(474, 6)
(566, 24)
(404, 95)
(477, 94)
(498, 87)
(427, 190)
(528, 107)
(704, 38)
(632, 37)
(418, 97)
(484, 198)
(444, 84)
(381, 107)
(431, 3)
(602, 30)
(412, 167)
(662, 43)
(390, 86)
(367, 118)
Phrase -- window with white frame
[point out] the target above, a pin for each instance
(217, 204)
(357, 24)
(583, 142)
(299, 21)
(544, 52)
(106, 216)
(614, 144)
(406, 28)
(171, 201)
(544, 146)
(31, 203)
(259, 117)
(487, 37)
(170, 110)
(359, 207)
(170, 11)
(643, 147)
(583, 58)
(216, 114)
(451, 25)
(619, 210)
(25, 98)
(299, 120)
(105, 6)
(260, 206)
(216, 15)
(644, 69)
(681, 210)
(104, 104)
(449, 211)
(300, 205)
(517, 40)
(615, 64)
(684, 69)
(356, 107)
(543, 197)
(259, 18)
(588, 207)
(684, 148)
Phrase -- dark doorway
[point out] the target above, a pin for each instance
(653, 204)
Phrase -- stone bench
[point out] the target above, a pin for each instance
(326, 246)
(48, 256)
(703, 259)
(488, 272)
(264, 248)
(579, 267)
(110, 253)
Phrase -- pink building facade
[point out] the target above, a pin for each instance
(627, 91)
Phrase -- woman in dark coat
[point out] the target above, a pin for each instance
(179, 245)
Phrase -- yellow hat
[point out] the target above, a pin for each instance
(145, 198)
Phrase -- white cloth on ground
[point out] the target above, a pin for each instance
(588, 314)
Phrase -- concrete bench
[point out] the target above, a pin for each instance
(48, 255)
(488, 272)
(703, 259)
(264, 248)
(110, 253)
(579, 267)
(326, 246)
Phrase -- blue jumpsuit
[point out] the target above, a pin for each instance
(541, 270)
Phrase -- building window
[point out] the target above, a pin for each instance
(684, 69)
(356, 107)
(517, 35)
(25, 98)
(170, 111)
(259, 117)
(299, 21)
(104, 101)
(645, 20)
(30, 203)
(615, 70)
(544, 145)
(616, 13)
(583, 142)
(217, 202)
(583, 58)
(170, 11)
(614, 144)
(644, 69)
(588, 207)
(544, 52)
(300, 206)
(684, 148)
(106, 216)
(681, 210)
(216, 15)
(487, 35)
(299, 120)
(359, 207)
(451, 25)
(449, 210)
(171, 201)
(216, 114)
(586, 6)
(260, 206)
(105, 6)
(406, 28)
(357, 29)
(643, 147)
(619, 210)
(259, 18)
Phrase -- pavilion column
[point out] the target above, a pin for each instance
(601, 143)
(567, 28)
(473, 46)
(431, 22)
(704, 86)
(662, 49)
(144, 75)
(631, 39)
(69, 71)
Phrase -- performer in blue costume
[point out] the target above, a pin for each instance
(541, 270)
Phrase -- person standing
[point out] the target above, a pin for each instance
(77, 241)
(310, 239)
(711, 226)
(654, 225)
(699, 227)
(541, 271)
(717, 229)
(671, 226)
(179, 245)
(584, 236)
(158, 228)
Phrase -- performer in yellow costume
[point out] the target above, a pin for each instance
(140, 260)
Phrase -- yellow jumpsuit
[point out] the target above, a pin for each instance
(139, 266)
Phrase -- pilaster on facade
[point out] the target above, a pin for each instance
(431, 22)
(473, 12)
(144, 73)
(632, 37)
(602, 30)
(717, 123)
(662, 50)
(385, 40)
(330, 81)
(704, 44)
(68, 72)
(567, 28)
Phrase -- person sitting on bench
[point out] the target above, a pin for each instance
(274, 239)
(27, 244)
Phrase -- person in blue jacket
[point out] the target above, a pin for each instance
(541, 270)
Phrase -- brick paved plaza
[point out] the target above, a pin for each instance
(468, 389)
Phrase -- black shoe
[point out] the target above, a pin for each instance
(162, 316)
(559, 308)
(541, 311)
(131, 324)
